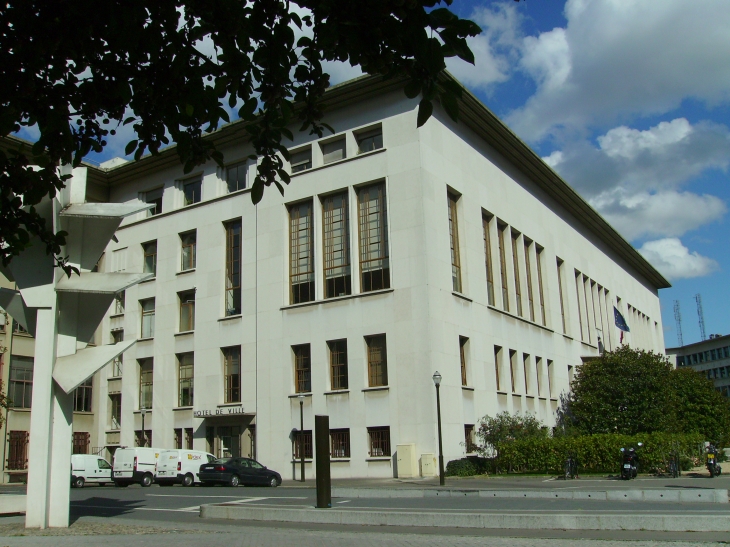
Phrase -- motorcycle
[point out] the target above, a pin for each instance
(711, 461)
(629, 463)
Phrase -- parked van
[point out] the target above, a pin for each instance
(89, 468)
(135, 465)
(181, 466)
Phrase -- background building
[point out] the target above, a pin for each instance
(710, 357)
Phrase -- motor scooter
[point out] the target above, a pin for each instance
(711, 461)
(629, 462)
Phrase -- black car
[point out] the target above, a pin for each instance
(235, 471)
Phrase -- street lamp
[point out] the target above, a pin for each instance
(143, 411)
(437, 383)
(301, 434)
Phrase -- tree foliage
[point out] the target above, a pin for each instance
(506, 427)
(700, 408)
(176, 69)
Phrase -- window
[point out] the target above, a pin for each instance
(538, 375)
(18, 328)
(233, 268)
(186, 375)
(301, 247)
(177, 440)
(373, 225)
(145, 383)
(187, 311)
(379, 441)
(3, 320)
(501, 228)
(119, 260)
(586, 292)
(369, 140)
(150, 257)
(570, 376)
(143, 438)
(119, 303)
(305, 436)
(377, 361)
(333, 151)
(189, 438)
(516, 267)
(550, 378)
(192, 191)
(18, 449)
(236, 176)
(578, 277)
(81, 442)
(526, 372)
(486, 222)
(148, 317)
(560, 294)
(336, 226)
(82, 399)
(115, 402)
(528, 271)
(497, 361)
(512, 359)
(462, 356)
(302, 369)
(339, 443)
(338, 364)
(20, 384)
(454, 239)
(188, 243)
(469, 438)
(118, 362)
(232, 374)
(540, 292)
(301, 161)
(154, 197)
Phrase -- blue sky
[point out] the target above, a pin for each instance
(629, 100)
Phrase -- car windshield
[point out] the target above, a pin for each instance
(224, 460)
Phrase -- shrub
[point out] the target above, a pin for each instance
(460, 468)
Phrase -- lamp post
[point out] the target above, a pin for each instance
(301, 434)
(437, 383)
(143, 411)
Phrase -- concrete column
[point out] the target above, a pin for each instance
(60, 461)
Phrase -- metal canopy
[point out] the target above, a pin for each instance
(100, 283)
(12, 302)
(70, 371)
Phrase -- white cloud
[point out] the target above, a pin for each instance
(617, 59)
(628, 143)
(675, 261)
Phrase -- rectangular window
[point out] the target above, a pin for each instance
(339, 443)
(540, 291)
(18, 449)
(148, 317)
(333, 151)
(81, 442)
(560, 294)
(570, 376)
(373, 226)
(454, 239)
(486, 222)
(501, 229)
(192, 191)
(368, 141)
(516, 267)
(512, 367)
(233, 268)
(177, 433)
(469, 439)
(377, 361)
(302, 368)
(118, 362)
(550, 378)
(82, 399)
(187, 311)
(586, 305)
(236, 176)
(538, 375)
(115, 402)
(305, 436)
(462, 356)
(145, 383)
(379, 441)
(150, 257)
(578, 299)
(528, 271)
(526, 372)
(497, 361)
(143, 438)
(336, 227)
(18, 328)
(154, 197)
(301, 161)
(232, 374)
(189, 438)
(20, 384)
(186, 376)
(3, 320)
(119, 260)
(119, 303)
(188, 244)
(301, 249)
(338, 364)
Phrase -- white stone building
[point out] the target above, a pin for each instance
(396, 251)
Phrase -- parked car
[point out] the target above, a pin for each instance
(89, 468)
(135, 465)
(180, 466)
(235, 471)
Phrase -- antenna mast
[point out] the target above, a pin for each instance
(701, 316)
(678, 319)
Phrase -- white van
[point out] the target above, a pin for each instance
(89, 468)
(181, 466)
(135, 465)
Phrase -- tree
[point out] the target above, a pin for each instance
(176, 69)
(505, 427)
(700, 408)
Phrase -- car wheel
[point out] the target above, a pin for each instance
(79, 482)
(235, 481)
(188, 480)
(273, 482)
(146, 480)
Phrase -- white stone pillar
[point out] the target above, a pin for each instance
(60, 458)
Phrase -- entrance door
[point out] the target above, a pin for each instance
(230, 441)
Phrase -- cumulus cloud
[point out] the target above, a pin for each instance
(620, 58)
(675, 261)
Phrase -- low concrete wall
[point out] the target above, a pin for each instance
(388, 517)
(12, 504)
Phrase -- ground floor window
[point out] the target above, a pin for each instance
(81, 442)
(18, 450)
(340, 443)
(189, 438)
(379, 441)
(307, 438)
(143, 439)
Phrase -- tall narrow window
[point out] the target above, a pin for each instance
(486, 222)
(578, 299)
(338, 364)
(236, 176)
(192, 190)
(538, 375)
(379, 441)
(560, 294)
(153, 197)
(20, 385)
(301, 248)
(302, 368)
(369, 140)
(118, 361)
(501, 229)
(526, 372)
(148, 317)
(586, 305)
(146, 367)
(516, 268)
(233, 268)
(377, 361)
(18, 449)
(82, 397)
(232, 374)
(463, 341)
(302, 160)
(540, 292)
(373, 225)
(340, 443)
(119, 299)
(303, 438)
(528, 271)
(469, 444)
(454, 239)
(115, 414)
(187, 311)
(185, 379)
(336, 225)
(570, 376)
(150, 257)
(177, 438)
(512, 367)
(188, 244)
(189, 438)
(81, 441)
(497, 361)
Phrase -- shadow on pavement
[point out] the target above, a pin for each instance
(105, 507)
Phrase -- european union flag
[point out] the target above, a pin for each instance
(619, 320)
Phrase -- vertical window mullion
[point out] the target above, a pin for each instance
(233, 268)
(486, 221)
(516, 268)
(336, 235)
(501, 229)
(454, 240)
(528, 271)
(373, 228)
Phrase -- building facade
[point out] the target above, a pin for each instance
(710, 357)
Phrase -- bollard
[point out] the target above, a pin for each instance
(322, 446)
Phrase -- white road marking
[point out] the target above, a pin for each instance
(346, 501)
(193, 509)
(233, 497)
